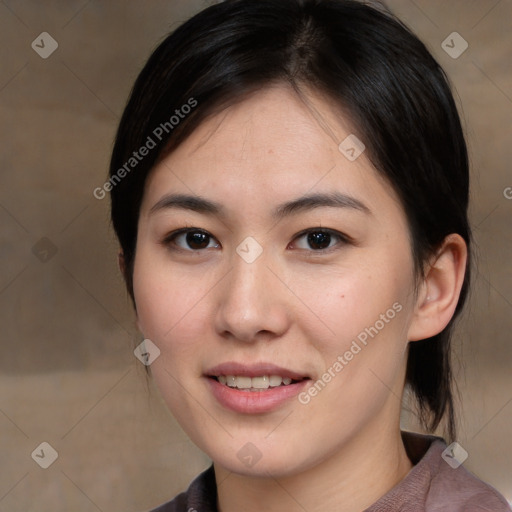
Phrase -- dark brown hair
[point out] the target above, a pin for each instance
(360, 58)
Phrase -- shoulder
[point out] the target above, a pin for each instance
(435, 485)
(201, 496)
(455, 487)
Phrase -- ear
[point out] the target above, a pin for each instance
(440, 290)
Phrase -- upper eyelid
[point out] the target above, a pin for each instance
(344, 239)
(323, 230)
(183, 231)
(171, 236)
(187, 229)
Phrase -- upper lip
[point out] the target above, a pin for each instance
(253, 370)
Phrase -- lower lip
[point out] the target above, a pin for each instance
(254, 402)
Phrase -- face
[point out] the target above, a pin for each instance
(266, 259)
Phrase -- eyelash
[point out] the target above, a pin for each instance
(170, 239)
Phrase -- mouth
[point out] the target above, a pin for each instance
(255, 384)
(254, 388)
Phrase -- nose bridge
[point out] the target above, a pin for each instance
(245, 278)
(249, 302)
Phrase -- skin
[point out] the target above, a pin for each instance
(294, 306)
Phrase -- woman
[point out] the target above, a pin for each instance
(289, 187)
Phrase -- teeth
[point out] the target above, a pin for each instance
(244, 382)
(275, 380)
(260, 382)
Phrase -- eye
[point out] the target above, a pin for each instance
(191, 239)
(319, 239)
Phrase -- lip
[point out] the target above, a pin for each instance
(254, 402)
(253, 370)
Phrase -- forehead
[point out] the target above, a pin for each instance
(273, 145)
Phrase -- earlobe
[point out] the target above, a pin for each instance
(440, 290)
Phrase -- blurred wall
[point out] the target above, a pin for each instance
(68, 376)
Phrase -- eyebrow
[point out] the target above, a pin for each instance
(305, 203)
(187, 202)
(310, 202)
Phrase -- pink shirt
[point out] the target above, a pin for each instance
(433, 485)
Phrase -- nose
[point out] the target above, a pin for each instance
(252, 302)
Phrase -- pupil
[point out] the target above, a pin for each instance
(319, 240)
(197, 240)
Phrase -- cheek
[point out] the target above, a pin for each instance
(171, 312)
(344, 303)
(361, 315)
(171, 307)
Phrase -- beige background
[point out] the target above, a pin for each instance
(67, 371)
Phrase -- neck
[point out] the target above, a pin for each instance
(350, 480)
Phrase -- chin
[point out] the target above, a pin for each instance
(246, 459)
(260, 469)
